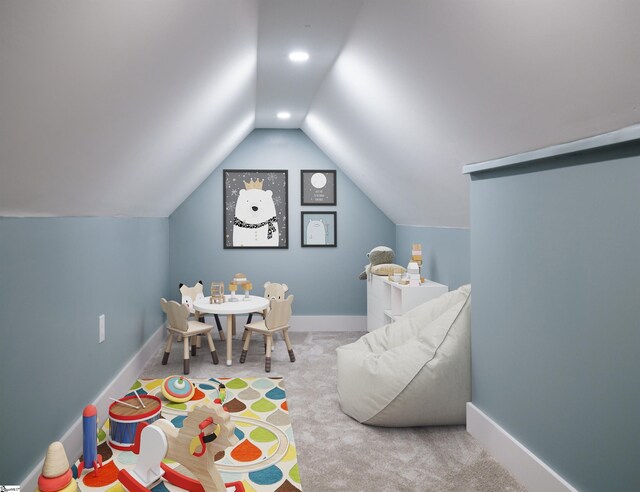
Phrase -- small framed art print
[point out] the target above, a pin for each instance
(319, 229)
(318, 187)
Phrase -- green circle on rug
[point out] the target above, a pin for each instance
(263, 405)
(176, 406)
(236, 383)
(294, 473)
(260, 434)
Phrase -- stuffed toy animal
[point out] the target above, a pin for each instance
(380, 255)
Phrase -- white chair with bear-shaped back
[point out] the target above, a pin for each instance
(180, 324)
(276, 320)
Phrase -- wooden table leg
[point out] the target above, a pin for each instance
(230, 323)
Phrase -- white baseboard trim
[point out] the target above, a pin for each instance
(312, 323)
(328, 323)
(72, 439)
(526, 467)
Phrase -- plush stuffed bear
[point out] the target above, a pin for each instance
(380, 255)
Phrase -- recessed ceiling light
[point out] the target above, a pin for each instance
(298, 56)
(284, 115)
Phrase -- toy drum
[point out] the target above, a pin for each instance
(124, 419)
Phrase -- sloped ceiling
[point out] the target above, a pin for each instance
(120, 108)
(123, 108)
(422, 88)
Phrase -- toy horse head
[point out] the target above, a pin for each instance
(208, 428)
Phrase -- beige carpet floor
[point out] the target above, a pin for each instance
(336, 453)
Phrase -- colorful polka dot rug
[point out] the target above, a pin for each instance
(264, 458)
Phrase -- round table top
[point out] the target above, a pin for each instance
(242, 306)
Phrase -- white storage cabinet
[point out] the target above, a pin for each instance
(387, 301)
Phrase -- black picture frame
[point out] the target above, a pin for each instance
(253, 226)
(322, 193)
(328, 235)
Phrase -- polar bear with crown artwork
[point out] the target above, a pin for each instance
(255, 222)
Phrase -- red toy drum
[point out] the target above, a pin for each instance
(126, 414)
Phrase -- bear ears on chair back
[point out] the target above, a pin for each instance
(273, 290)
(177, 314)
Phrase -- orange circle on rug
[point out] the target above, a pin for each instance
(106, 474)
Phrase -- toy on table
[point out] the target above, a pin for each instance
(217, 293)
(206, 430)
(126, 413)
(247, 288)
(178, 389)
(232, 292)
(239, 281)
(90, 457)
(56, 474)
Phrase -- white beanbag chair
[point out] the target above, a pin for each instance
(416, 371)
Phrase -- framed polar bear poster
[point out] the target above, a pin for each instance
(255, 208)
(319, 229)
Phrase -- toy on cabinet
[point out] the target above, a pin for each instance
(56, 474)
(413, 274)
(217, 293)
(90, 457)
(206, 430)
(416, 256)
(380, 263)
(178, 389)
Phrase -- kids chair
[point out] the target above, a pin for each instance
(277, 319)
(191, 295)
(179, 324)
(272, 290)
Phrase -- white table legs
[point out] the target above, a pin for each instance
(231, 318)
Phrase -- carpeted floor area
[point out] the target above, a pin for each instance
(335, 452)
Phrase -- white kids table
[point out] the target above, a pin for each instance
(230, 309)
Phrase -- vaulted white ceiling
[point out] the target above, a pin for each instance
(124, 108)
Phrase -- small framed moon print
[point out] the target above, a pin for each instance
(319, 229)
(317, 187)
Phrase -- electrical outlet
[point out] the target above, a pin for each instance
(101, 329)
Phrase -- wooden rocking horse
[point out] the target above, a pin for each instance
(207, 430)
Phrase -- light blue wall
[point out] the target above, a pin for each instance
(445, 251)
(58, 275)
(556, 317)
(324, 280)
